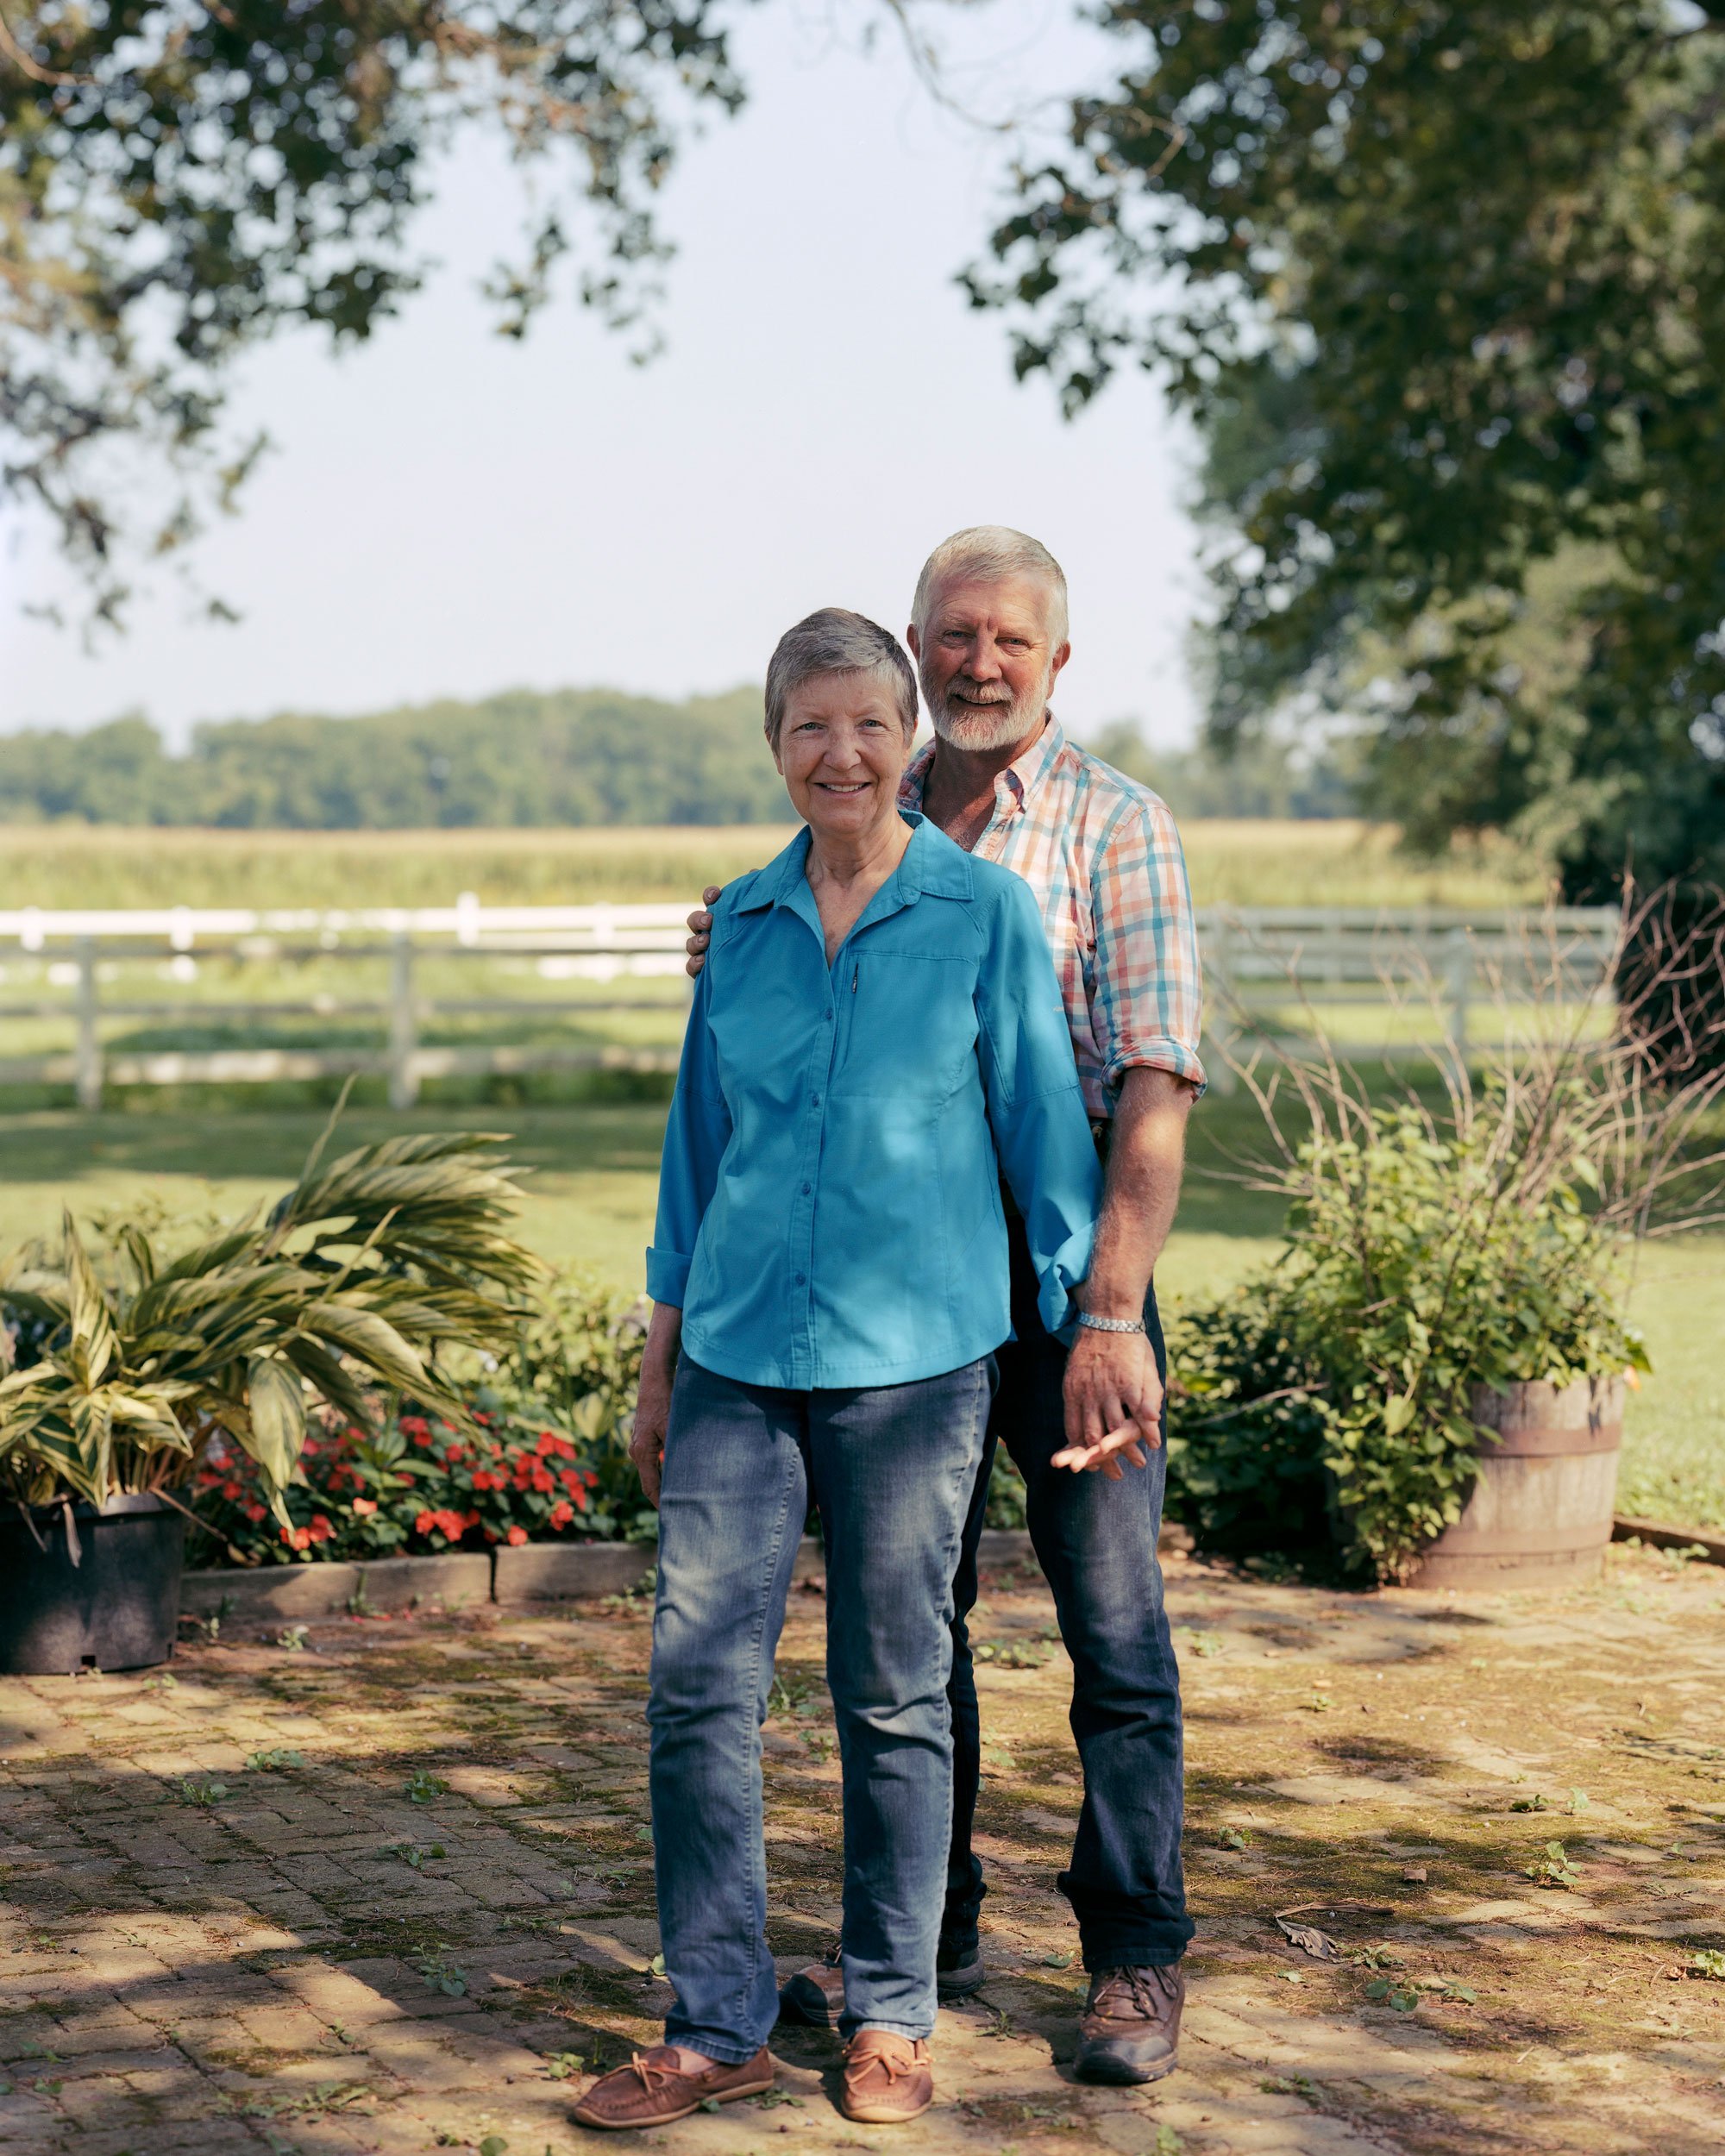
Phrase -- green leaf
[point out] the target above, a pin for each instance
(276, 1398)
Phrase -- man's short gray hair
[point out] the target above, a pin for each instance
(987, 553)
(836, 641)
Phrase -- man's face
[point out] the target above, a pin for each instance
(986, 662)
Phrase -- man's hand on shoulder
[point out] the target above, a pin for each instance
(700, 932)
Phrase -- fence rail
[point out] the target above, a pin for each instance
(1257, 961)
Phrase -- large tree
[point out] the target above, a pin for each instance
(180, 178)
(1443, 286)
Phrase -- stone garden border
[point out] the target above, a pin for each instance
(532, 1571)
(567, 1571)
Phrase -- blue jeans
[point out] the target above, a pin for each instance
(892, 1471)
(1095, 1540)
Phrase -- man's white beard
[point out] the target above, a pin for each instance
(987, 726)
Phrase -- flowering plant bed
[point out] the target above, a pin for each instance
(541, 1456)
(423, 1487)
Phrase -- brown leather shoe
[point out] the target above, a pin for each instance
(1131, 2029)
(652, 2089)
(888, 2079)
(815, 1995)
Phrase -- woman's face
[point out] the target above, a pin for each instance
(842, 751)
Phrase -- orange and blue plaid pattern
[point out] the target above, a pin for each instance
(1104, 859)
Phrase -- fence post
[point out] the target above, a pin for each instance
(87, 1055)
(1460, 982)
(1220, 1033)
(404, 1030)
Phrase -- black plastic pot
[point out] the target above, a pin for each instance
(116, 1609)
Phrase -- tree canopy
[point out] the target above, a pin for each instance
(180, 178)
(1443, 286)
(528, 757)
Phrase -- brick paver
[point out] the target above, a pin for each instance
(265, 1966)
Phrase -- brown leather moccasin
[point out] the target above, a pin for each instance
(652, 2089)
(888, 2078)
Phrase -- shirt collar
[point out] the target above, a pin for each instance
(1019, 780)
(931, 865)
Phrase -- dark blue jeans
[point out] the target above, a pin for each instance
(892, 1471)
(1095, 1540)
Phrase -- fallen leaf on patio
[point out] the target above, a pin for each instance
(1414, 1875)
(1708, 1962)
(657, 1966)
(1291, 1975)
(1057, 1961)
(1309, 1940)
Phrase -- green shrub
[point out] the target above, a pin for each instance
(1420, 1263)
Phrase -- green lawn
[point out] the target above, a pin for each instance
(589, 1198)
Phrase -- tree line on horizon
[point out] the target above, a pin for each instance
(553, 758)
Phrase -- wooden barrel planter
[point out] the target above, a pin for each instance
(1540, 1514)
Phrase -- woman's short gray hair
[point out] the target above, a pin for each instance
(836, 641)
(987, 553)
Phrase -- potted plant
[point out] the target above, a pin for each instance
(132, 1358)
(1432, 1372)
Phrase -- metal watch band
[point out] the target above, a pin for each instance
(1109, 1324)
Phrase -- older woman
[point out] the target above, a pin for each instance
(876, 1038)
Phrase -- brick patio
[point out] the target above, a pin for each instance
(270, 1969)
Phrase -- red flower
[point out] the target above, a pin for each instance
(563, 1514)
(232, 1489)
(517, 1536)
(544, 1479)
(297, 1537)
(256, 1512)
(425, 1523)
(365, 1506)
(483, 1479)
(414, 1424)
(471, 1519)
(551, 1442)
(320, 1529)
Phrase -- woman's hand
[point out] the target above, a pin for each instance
(653, 1400)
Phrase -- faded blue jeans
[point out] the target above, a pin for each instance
(891, 1469)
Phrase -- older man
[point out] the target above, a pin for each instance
(1103, 858)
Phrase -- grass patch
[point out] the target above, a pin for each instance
(1337, 862)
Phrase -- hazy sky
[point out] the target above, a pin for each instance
(448, 512)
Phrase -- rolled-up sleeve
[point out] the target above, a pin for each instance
(696, 1135)
(1036, 1106)
(1149, 1006)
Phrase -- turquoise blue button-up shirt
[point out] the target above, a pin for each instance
(828, 1198)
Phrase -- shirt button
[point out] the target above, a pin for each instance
(802, 1280)
(809, 1190)
(816, 1099)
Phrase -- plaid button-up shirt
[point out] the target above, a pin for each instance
(1103, 858)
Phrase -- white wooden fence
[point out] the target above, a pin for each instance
(1257, 960)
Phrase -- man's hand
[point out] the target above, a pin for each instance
(1114, 1403)
(700, 932)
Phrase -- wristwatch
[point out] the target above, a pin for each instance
(1109, 1324)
